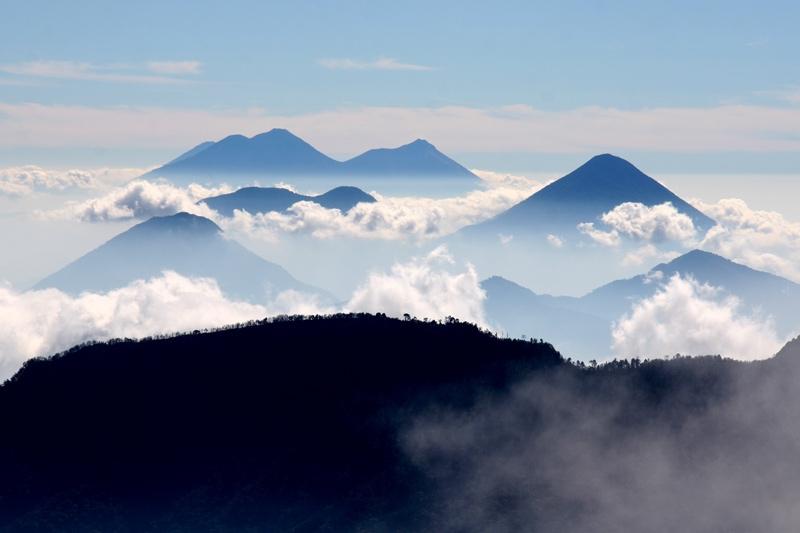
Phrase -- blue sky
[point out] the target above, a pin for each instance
(276, 60)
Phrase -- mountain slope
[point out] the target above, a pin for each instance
(583, 195)
(188, 244)
(266, 199)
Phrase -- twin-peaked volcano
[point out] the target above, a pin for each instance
(190, 245)
(265, 199)
(583, 195)
(279, 154)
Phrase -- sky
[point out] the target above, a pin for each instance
(678, 87)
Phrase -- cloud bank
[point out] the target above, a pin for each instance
(140, 199)
(638, 222)
(686, 317)
(42, 322)
(763, 240)
(458, 129)
(29, 179)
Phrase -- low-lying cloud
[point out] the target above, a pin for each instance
(638, 222)
(42, 322)
(425, 288)
(690, 318)
(764, 240)
(140, 199)
(29, 179)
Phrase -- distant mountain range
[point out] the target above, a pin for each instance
(279, 154)
(582, 326)
(583, 195)
(266, 199)
(187, 244)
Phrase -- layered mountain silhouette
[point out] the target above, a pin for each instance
(582, 326)
(583, 195)
(282, 155)
(357, 423)
(266, 199)
(187, 244)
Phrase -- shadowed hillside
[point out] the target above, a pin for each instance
(365, 423)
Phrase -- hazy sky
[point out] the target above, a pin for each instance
(681, 87)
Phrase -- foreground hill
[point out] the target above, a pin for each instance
(266, 199)
(188, 244)
(583, 195)
(364, 423)
(279, 154)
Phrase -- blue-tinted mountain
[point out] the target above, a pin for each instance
(757, 290)
(187, 244)
(518, 311)
(279, 154)
(583, 195)
(419, 158)
(581, 326)
(265, 199)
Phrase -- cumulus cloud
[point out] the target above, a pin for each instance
(24, 180)
(42, 322)
(383, 63)
(502, 179)
(390, 218)
(425, 288)
(140, 199)
(555, 241)
(764, 240)
(690, 318)
(636, 221)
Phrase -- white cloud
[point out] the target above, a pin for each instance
(46, 321)
(74, 70)
(175, 67)
(502, 179)
(19, 181)
(457, 129)
(390, 218)
(764, 240)
(383, 63)
(424, 288)
(638, 222)
(686, 317)
(606, 238)
(555, 241)
(647, 252)
(140, 199)
(42, 322)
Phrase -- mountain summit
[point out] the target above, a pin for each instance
(187, 244)
(280, 154)
(583, 195)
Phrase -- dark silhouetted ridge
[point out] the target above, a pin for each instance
(265, 199)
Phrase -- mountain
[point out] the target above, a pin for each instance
(581, 326)
(519, 311)
(419, 158)
(757, 290)
(266, 199)
(279, 154)
(356, 423)
(188, 244)
(583, 195)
